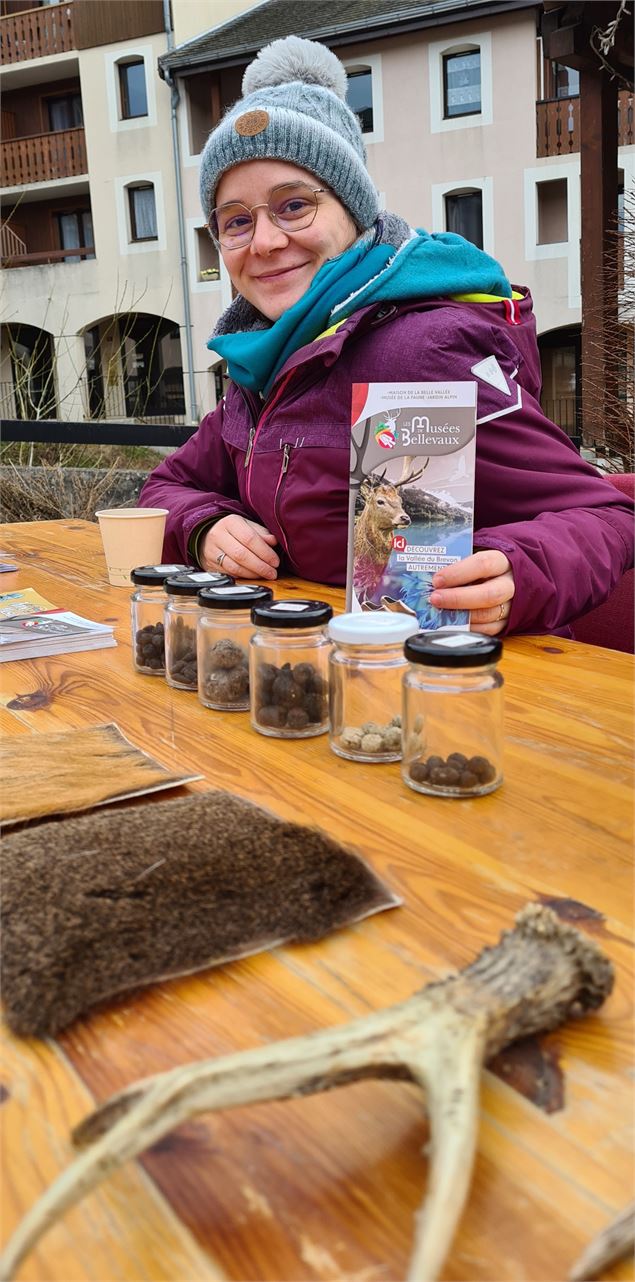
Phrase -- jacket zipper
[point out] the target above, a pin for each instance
(250, 446)
(286, 455)
(249, 457)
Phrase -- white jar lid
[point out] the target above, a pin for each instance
(376, 627)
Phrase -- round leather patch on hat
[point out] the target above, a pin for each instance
(253, 122)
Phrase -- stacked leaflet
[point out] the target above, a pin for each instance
(29, 632)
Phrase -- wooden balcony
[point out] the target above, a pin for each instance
(44, 257)
(78, 24)
(558, 124)
(43, 158)
(36, 33)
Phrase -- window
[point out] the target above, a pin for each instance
(31, 354)
(552, 200)
(75, 230)
(132, 89)
(65, 112)
(360, 96)
(94, 376)
(464, 215)
(566, 81)
(152, 366)
(560, 395)
(208, 97)
(143, 213)
(140, 210)
(462, 84)
(208, 261)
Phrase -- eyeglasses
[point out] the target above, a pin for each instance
(291, 206)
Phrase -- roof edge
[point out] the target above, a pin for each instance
(338, 33)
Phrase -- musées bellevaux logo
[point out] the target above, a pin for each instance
(388, 435)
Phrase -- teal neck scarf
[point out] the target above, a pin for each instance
(408, 265)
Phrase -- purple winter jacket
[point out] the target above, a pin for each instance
(568, 533)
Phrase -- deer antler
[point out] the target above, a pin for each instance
(357, 471)
(538, 975)
(407, 477)
(612, 1244)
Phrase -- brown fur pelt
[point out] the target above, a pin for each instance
(53, 774)
(104, 903)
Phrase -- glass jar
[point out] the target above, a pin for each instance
(180, 619)
(452, 714)
(288, 669)
(366, 666)
(147, 605)
(223, 633)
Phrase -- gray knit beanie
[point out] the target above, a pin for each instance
(294, 108)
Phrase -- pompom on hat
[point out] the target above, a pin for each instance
(294, 108)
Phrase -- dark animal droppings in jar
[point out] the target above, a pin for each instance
(294, 697)
(150, 647)
(183, 663)
(456, 771)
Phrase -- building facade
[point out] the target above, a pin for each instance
(92, 302)
(467, 127)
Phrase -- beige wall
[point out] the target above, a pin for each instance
(193, 17)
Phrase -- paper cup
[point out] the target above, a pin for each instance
(131, 536)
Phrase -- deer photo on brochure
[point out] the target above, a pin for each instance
(411, 495)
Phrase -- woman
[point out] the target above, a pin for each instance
(331, 292)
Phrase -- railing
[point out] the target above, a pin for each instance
(36, 33)
(11, 245)
(12, 257)
(89, 433)
(43, 157)
(557, 127)
(558, 124)
(162, 403)
(563, 410)
(162, 415)
(34, 396)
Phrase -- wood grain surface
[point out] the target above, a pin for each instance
(326, 1188)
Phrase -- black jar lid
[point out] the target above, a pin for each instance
(445, 649)
(291, 614)
(155, 575)
(234, 596)
(191, 584)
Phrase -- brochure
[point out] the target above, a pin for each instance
(28, 601)
(411, 508)
(31, 636)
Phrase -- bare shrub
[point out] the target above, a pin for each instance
(48, 493)
(610, 361)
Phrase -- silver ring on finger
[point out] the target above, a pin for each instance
(220, 558)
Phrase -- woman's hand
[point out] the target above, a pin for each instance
(483, 584)
(241, 548)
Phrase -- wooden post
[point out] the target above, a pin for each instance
(598, 177)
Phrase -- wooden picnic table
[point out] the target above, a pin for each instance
(326, 1187)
